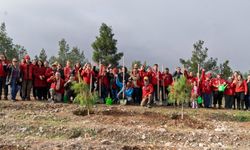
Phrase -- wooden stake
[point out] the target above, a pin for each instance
(123, 78)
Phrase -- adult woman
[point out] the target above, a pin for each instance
(241, 91)
(40, 83)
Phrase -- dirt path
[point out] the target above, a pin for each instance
(39, 125)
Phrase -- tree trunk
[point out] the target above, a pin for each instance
(182, 111)
(88, 111)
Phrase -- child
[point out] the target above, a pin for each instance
(194, 95)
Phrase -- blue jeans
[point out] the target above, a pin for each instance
(248, 102)
(207, 100)
(14, 88)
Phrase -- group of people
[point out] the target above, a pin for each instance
(142, 85)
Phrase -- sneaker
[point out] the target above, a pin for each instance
(5, 98)
(149, 106)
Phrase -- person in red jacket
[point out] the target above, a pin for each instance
(67, 70)
(40, 80)
(167, 80)
(229, 93)
(206, 89)
(142, 74)
(56, 88)
(88, 74)
(218, 95)
(103, 81)
(77, 71)
(155, 80)
(27, 76)
(147, 93)
(3, 74)
(240, 91)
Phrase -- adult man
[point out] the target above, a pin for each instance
(27, 77)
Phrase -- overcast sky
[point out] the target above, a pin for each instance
(158, 31)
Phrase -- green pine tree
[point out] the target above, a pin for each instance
(180, 92)
(63, 52)
(6, 45)
(104, 47)
(199, 57)
(43, 55)
(76, 55)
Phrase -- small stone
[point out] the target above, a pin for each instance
(143, 137)
(168, 144)
(41, 129)
(105, 142)
(201, 145)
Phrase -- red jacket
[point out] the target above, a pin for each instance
(154, 78)
(3, 72)
(206, 87)
(217, 82)
(40, 71)
(241, 87)
(86, 74)
(146, 90)
(142, 74)
(27, 71)
(167, 79)
(230, 90)
(67, 72)
(53, 82)
(190, 79)
(104, 80)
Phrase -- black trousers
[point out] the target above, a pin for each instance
(3, 86)
(218, 98)
(41, 93)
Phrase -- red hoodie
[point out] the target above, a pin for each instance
(27, 71)
(154, 79)
(2, 70)
(86, 74)
(167, 79)
(230, 90)
(241, 87)
(40, 71)
(217, 82)
(67, 72)
(147, 89)
(52, 80)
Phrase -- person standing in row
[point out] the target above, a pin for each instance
(3, 73)
(27, 77)
(13, 78)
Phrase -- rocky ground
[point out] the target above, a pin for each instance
(45, 126)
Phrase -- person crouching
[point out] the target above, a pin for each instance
(147, 93)
(56, 88)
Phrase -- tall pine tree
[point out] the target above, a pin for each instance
(42, 55)
(63, 52)
(6, 44)
(199, 57)
(76, 55)
(104, 47)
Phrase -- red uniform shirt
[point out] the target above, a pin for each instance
(217, 82)
(167, 79)
(241, 87)
(147, 89)
(40, 71)
(27, 71)
(86, 74)
(67, 72)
